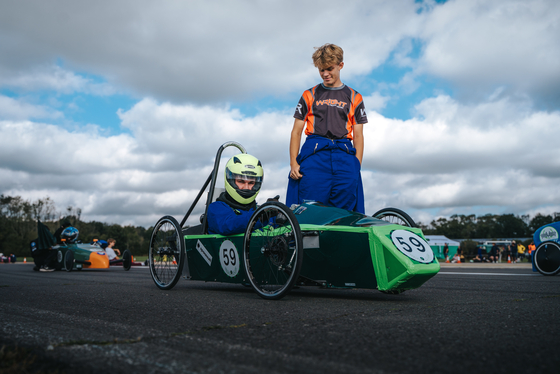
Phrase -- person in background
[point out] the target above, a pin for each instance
(112, 252)
(57, 234)
(520, 252)
(456, 258)
(513, 251)
(531, 249)
(494, 254)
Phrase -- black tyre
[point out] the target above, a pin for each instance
(126, 260)
(273, 250)
(547, 258)
(166, 253)
(69, 260)
(59, 260)
(396, 216)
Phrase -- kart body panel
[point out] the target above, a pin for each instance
(547, 233)
(86, 256)
(342, 249)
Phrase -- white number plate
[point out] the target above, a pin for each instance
(412, 246)
(229, 258)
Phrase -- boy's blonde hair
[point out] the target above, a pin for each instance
(327, 55)
(111, 240)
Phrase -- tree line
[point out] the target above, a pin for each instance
(489, 226)
(18, 226)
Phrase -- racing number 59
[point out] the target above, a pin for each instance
(229, 256)
(415, 242)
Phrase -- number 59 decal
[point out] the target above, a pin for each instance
(229, 258)
(412, 246)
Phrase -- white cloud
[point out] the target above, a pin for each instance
(53, 78)
(443, 159)
(480, 44)
(196, 51)
(375, 101)
(15, 109)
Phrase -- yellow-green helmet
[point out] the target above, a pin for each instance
(247, 168)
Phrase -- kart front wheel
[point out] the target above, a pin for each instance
(547, 258)
(273, 250)
(69, 260)
(166, 253)
(394, 215)
(126, 260)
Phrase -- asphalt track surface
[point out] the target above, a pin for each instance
(485, 319)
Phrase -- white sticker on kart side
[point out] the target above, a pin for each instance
(412, 246)
(548, 233)
(204, 252)
(229, 258)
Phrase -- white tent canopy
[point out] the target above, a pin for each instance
(440, 240)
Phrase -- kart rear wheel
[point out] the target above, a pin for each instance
(547, 258)
(69, 260)
(166, 253)
(126, 260)
(273, 250)
(394, 215)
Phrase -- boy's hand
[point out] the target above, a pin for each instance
(294, 172)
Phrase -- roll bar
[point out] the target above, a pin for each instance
(211, 178)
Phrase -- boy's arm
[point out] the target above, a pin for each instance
(359, 141)
(295, 140)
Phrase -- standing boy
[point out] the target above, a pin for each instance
(327, 168)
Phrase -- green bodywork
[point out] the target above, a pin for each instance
(341, 249)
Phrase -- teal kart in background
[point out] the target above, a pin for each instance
(305, 245)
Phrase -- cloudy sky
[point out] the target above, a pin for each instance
(119, 107)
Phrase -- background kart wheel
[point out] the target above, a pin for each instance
(273, 250)
(166, 253)
(59, 260)
(394, 215)
(126, 260)
(547, 258)
(69, 260)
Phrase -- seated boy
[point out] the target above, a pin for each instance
(111, 251)
(231, 212)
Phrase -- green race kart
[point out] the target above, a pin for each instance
(305, 245)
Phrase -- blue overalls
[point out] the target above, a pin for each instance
(331, 175)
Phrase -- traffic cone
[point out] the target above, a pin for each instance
(459, 260)
(509, 260)
(447, 259)
(24, 260)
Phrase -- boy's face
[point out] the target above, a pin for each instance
(331, 75)
(244, 184)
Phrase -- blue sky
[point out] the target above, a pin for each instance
(118, 108)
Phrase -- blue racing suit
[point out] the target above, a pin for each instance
(226, 220)
(331, 174)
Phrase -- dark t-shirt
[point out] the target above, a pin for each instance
(331, 112)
